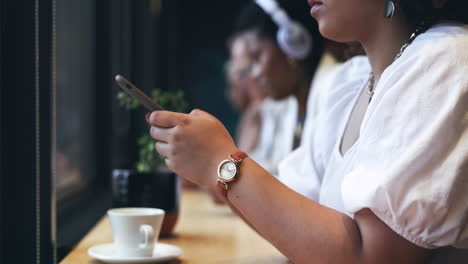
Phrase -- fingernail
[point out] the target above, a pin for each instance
(147, 117)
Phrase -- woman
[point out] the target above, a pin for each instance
(390, 154)
(261, 66)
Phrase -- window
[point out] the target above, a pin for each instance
(75, 96)
(94, 40)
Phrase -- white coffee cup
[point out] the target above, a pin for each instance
(135, 230)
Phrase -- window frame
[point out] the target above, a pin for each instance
(26, 176)
(2, 22)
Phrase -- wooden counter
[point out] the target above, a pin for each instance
(207, 233)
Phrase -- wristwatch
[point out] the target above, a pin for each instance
(228, 170)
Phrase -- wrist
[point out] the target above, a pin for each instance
(215, 161)
(228, 171)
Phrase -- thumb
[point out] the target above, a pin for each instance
(166, 119)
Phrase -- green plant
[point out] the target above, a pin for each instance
(148, 158)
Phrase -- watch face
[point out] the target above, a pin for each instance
(227, 170)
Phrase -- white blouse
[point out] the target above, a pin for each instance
(278, 120)
(410, 164)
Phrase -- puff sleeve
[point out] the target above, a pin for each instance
(411, 164)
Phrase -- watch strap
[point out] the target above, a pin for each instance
(222, 189)
(238, 156)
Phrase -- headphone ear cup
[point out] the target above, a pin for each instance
(292, 37)
(294, 40)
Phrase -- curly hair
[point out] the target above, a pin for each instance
(252, 17)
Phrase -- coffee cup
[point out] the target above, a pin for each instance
(135, 230)
(156, 189)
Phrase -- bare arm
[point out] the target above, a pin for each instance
(249, 128)
(308, 232)
(303, 230)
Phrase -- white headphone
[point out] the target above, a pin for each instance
(293, 38)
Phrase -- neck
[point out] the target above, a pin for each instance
(385, 42)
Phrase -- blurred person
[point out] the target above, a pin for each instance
(263, 65)
(247, 99)
(388, 154)
(294, 169)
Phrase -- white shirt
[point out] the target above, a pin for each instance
(278, 120)
(410, 164)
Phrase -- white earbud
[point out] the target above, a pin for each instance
(293, 38)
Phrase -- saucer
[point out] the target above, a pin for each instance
(161, 252)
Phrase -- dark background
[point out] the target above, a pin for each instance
(167, 44)
(25, 174)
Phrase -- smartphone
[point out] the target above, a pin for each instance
(136, 93)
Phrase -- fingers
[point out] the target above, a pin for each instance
(147, 115)
(166, 119)
(160, 134)
(166, 151)
(163, 149)
(169, 164)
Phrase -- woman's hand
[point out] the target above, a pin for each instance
(193, 144)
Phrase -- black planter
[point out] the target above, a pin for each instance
(158, 189)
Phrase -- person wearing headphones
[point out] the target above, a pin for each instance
(264, 62)
(388, 155)
(245, 97)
